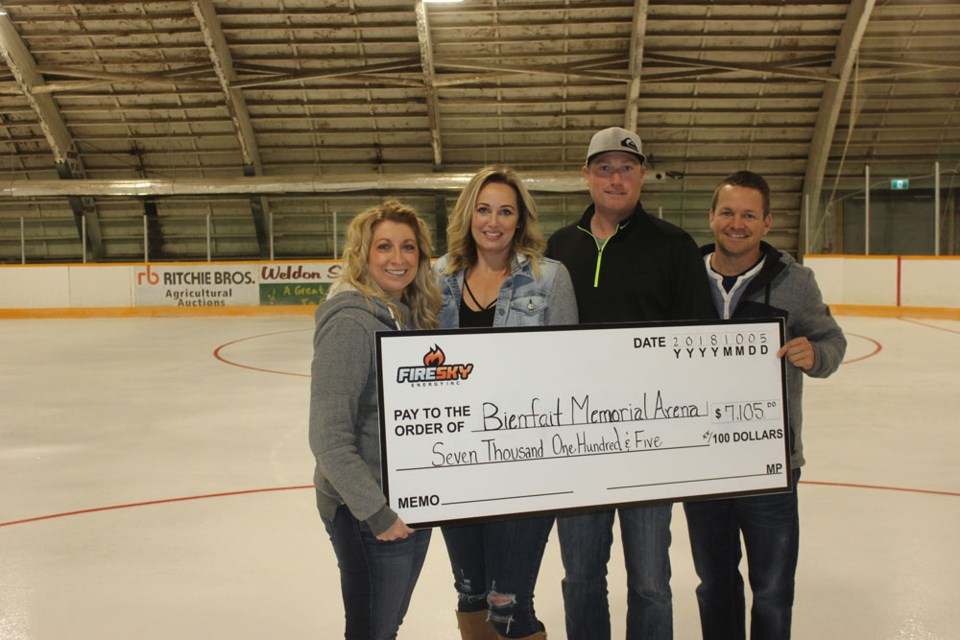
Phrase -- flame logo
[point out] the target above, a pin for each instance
(435, 370)
(434, 357)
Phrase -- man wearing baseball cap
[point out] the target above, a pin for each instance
(626, 266)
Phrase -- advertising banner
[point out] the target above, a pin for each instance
(296, 283)
(240, 284)
(180, 285)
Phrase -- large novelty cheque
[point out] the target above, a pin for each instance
(492, 422)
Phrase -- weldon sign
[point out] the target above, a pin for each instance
(303, 284)
(253, 284)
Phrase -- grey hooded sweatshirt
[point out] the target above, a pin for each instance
(780, 287)
(344, 424)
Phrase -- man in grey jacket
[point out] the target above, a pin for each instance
(751, 279)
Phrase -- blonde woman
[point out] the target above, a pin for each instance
(495, 275)
(386, 284)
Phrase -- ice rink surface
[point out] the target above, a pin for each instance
(155, 472)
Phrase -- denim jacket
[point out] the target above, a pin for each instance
(522, 302)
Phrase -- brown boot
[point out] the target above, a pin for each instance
(474, 625)
(539, 635)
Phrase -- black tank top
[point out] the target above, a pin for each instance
(476, 319)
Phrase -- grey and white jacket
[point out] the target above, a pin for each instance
(779, 286)
(344, 416)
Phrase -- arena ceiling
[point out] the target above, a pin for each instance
(252, 128)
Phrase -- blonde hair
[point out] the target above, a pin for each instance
(528, 239)
(422, 296)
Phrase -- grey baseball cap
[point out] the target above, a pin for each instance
(615, 139)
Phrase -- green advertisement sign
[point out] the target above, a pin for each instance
(303, 293)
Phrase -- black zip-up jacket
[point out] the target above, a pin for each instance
(647, 270)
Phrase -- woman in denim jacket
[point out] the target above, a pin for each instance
(495, 275)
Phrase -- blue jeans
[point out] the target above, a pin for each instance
(771, 534)
(376, 578)
(495, 567)
(585, 542)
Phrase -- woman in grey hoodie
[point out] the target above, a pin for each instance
(386, 284)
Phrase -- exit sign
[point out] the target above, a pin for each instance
(899, 184)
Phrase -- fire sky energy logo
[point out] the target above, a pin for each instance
(434, 371)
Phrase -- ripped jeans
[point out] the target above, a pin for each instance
(495, 567)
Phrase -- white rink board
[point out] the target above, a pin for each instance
(498, 422)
